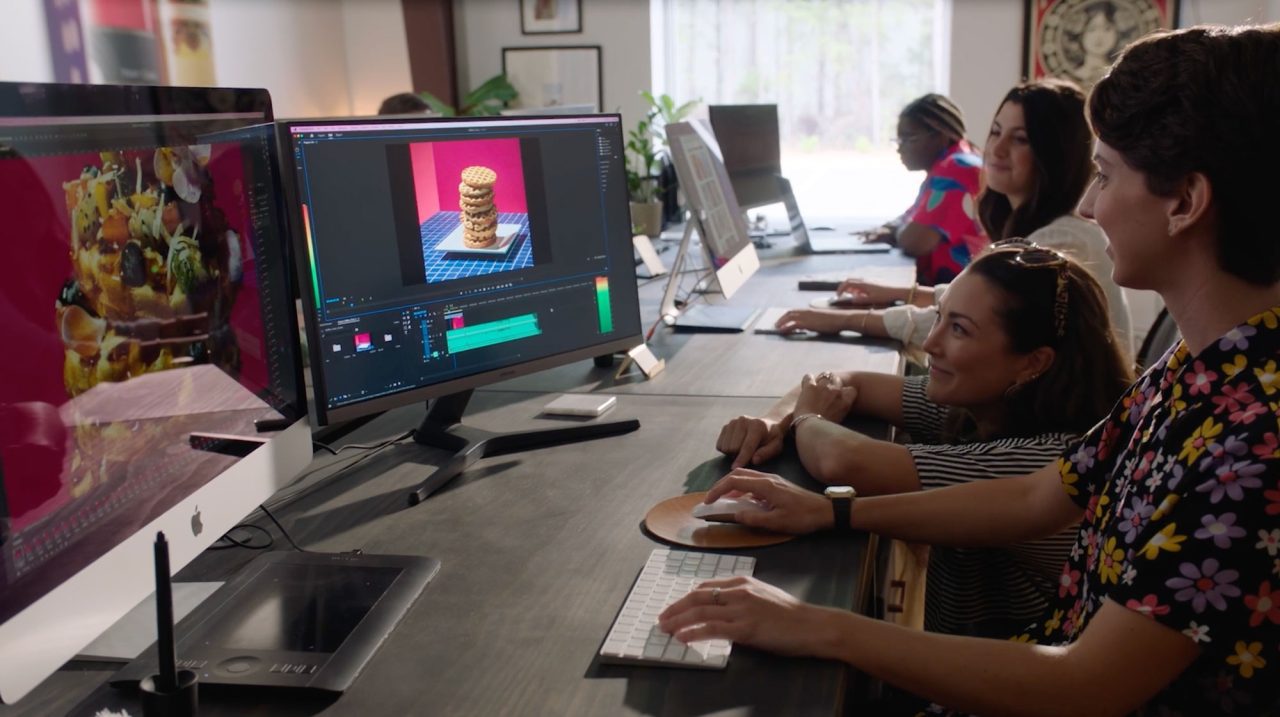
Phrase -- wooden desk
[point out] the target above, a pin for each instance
(539, 550)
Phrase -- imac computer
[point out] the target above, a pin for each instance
(151, 341)
(749, 141)
(445, 254)
(714, 215)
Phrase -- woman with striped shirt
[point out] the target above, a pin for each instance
(1022, 360)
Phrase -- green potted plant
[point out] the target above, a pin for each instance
(646, 150)
(488, 99)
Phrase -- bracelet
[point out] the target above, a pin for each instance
(911, 295)
(862, 325)
(801, 419)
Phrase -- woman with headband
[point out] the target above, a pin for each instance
(1020, 365)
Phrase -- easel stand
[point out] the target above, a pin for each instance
(668, 309)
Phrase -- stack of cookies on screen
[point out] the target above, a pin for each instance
(479, 214)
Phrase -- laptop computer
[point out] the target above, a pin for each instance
(825, 240)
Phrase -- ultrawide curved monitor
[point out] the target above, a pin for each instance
(148, 322)
(442, 254)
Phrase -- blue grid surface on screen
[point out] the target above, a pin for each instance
(443, 266)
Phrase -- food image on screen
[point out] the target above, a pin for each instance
(489, 232)
(155, 266)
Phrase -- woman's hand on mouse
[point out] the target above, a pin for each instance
(826, 396)
(748, 612)
(823, 321)
(752, 440)
(869, 293)
(792, 508)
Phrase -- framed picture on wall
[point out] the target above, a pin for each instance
(545, 17)
(1078, 39)
(555, 76)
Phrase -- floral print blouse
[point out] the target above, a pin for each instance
(1181, 491)
(1181, 486)
(948, 204)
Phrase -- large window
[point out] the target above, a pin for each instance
(839, 71)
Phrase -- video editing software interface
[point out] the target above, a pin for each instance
(442, 249)
(144, 298)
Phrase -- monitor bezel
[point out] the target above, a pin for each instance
(41, 637)
(321, 414)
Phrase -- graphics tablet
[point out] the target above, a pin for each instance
(295, 620)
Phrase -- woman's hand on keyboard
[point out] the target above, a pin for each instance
(792, 509)
(748, 612)
(751, 440)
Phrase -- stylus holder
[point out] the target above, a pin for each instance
(180, 702)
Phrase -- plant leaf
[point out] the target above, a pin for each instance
(437, 105)
(495, 89)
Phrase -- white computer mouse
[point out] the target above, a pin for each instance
(723, 510)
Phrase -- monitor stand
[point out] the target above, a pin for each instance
(443, 428)
(669, 310)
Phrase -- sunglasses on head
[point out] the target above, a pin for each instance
(1033, 255)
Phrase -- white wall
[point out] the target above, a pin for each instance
(620, 27)
(294, 48)
(377, 52)
(24, 43)
(317, 57)
(986, 58)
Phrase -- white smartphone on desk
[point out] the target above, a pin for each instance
(580, 404)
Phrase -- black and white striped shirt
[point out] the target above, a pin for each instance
(982, 591)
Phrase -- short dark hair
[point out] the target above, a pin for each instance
(1090, 370)
(1061, 145)
(1204, 99)
(405, 103)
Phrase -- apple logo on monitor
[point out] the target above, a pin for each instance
(196, 526)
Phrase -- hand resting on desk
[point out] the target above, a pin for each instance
(750, 439)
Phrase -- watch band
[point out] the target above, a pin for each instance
(843, 509)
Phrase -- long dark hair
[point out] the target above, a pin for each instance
(1089, 372)
(1061, 144)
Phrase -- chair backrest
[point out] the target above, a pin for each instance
(1163, 334)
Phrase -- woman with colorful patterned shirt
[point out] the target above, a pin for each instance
(1166, 606)
(941, 228)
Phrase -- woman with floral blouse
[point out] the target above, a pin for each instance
(1170, 600)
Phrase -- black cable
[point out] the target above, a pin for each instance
(283, 532)
(229, 541)
(372, 451)
(327, 447)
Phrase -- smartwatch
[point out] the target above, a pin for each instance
(841, 497)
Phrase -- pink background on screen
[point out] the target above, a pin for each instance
(38, 222)
(438, 166)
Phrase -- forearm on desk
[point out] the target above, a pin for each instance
(983, 513)
(836, 455)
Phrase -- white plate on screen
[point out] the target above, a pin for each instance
(454, 244)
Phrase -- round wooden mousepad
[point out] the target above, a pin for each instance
(672, 520)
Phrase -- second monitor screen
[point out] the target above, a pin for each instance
(440, 251)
